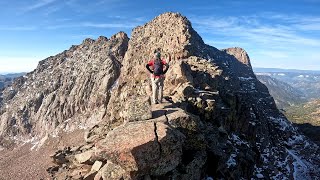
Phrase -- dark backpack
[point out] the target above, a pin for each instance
(157, 67)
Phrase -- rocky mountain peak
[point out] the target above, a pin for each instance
(62, 89)
(240, 54)
(120, 35)
(172, 33)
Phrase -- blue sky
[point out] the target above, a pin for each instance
(279, 34)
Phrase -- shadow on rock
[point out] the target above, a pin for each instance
(310, 131)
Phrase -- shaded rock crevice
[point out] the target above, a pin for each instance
(157, 139)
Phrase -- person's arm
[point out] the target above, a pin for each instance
(167, 67)
(166, 64)
(148, 67)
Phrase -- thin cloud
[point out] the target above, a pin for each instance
(299, 22)
(108, 25)
(273, 38)
(18, 28)
(258, 32)
(60, 26)
(87, 7)
(309, 27)
(275, 54)
(93, 25)
(51, 10)
(37, 5)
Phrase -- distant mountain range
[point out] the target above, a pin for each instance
(284, 94)
(6, 79)
(308, 82)
(298, 93)
(263, 70)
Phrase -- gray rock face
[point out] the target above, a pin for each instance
(67, 91)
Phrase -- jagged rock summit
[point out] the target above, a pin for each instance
(66, 91)
(219, 121)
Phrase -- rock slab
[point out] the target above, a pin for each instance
(142, 148)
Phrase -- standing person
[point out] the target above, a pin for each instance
(157, 71)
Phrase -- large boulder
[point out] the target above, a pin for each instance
(141, 148)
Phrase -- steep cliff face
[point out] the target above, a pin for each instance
(67, 91)
(219, 120)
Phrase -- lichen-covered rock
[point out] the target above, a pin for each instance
(112, 171)
(137, 109)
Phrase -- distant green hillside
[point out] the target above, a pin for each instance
(307, 117)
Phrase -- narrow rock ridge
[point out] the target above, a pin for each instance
(223, 111)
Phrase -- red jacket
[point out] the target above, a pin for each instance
(151, 63)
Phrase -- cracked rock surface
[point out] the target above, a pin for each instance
(148, 147)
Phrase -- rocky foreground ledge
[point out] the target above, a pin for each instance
(137, 149)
